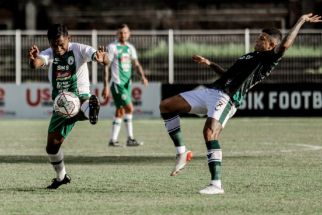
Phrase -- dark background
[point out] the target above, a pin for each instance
(155, 14)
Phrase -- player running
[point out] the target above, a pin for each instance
(123, 58)
(68, 71)
(220, 100)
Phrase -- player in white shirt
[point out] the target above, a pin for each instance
(124, 59)
(68, 71)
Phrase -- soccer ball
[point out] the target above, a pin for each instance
(66, 104)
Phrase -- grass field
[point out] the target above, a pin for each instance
(270, 166)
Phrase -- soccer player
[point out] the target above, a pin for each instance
(221, 99)
(124, 59)
(68, 71)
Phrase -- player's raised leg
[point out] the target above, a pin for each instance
(170, 109)
(94, 108)
(91, 107)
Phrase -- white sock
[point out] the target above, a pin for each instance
(129, 125)
(85, 108)
(57, 160)
(217, 183)
(180, 149)
(116, 127)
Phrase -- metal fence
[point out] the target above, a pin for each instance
(166, 55)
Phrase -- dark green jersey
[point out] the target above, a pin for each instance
(64, 74)
(245, 73)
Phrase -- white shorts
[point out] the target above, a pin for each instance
(215, 103)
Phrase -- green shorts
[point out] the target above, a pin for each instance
(121, 94)
(64, 125)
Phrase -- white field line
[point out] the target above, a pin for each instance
(299, 147)
(304, 147)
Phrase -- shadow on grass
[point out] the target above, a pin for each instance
(106, 159)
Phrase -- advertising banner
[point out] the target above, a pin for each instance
(34, 100)
(271, 99)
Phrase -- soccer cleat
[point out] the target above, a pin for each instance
(114, 143)
(181, 162)
(212, 190)
(133, 142)
(55, 184)
(94, 108)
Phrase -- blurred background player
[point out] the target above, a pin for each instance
(221, 99)
(68, 71)
(123, 59)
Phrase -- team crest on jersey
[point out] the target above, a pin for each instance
(123, 96)
(70, 60)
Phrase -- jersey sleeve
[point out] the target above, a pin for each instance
(46, 55)
(110, 49)
(134, 54)
(87, 52)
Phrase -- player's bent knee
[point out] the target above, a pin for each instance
(52, 148)
(164, 106)
(211, 134)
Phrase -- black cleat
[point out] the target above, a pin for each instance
(55, 184)
(94, 108)
(114, 143)
(133, 142)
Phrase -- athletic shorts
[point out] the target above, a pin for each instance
(64, 125)
(121, 94)
(215, 103)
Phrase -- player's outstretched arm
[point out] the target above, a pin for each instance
(34, 61)
(290, 37)
(201, 60)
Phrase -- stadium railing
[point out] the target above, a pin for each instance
(166, 55)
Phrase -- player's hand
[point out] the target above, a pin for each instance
(33, 52)
(201, 60)
(106, 92)
(311, 18)
(101, 55)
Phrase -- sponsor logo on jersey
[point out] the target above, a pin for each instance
(228, 82)
(63, 75)
(246, 57)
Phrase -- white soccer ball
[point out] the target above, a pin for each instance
(67, 104)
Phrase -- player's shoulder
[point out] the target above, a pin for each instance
(48, 51)
(75, 46)
(130, 45)
(112, 45)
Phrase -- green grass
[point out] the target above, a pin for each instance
(270, 166)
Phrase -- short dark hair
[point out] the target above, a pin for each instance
(273, 32)
(57, 30)
(122, 26)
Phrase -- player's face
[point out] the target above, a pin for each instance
(123, 34)
(60, 45)
(264, 42)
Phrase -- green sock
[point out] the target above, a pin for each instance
(214, 157)
(172, 123)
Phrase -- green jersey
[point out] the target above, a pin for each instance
(245, 73)
(121, 57)
(69, 72)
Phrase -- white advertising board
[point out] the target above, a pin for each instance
(27, 101)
